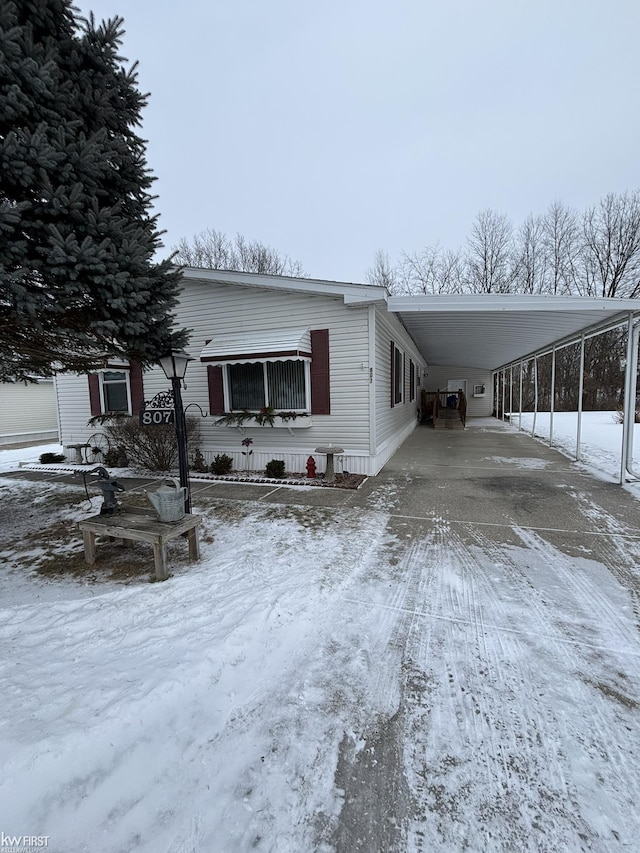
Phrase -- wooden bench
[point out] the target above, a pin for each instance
(141, 525)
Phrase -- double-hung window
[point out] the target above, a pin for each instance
(115, 392)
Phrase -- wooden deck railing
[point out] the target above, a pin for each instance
(432, 401)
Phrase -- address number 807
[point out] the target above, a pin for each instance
(156, 417)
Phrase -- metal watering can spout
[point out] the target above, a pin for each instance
(168, 501)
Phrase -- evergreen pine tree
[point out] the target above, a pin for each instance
(77, 277)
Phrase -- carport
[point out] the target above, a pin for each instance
(500, 332)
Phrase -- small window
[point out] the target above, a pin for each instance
(412, 381)
(115, 391)
(281, 385)
(398, 375)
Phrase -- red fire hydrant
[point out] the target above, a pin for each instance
(311, 468)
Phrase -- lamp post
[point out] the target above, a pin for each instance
(174, 365)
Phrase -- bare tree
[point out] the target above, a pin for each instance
(562, 245)
(611, 233)
(431, 271)
(382, 273)
(529, 260)
(212, 249)
(489, 257)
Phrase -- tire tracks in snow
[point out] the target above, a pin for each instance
(507, 744)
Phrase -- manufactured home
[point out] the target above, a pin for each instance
(294, 364)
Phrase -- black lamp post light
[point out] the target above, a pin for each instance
(174, 365)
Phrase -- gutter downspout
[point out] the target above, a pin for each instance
(373, 438)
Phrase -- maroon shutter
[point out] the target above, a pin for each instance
(136, 387)
(320, 380)
(94, 395)
(216, 390)
(393, 375)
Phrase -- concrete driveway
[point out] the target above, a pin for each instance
(446, 659)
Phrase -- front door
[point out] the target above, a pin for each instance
(454, 385)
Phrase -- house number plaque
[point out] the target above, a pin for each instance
(156, 417)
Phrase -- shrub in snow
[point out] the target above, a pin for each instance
(275, 469)
(222, 464)
(48, 458)
(197, 462)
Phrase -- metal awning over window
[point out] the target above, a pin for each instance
(271, 345)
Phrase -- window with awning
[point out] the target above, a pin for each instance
(284, 370)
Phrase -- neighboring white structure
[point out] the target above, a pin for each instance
(28, 412)
(328, 352)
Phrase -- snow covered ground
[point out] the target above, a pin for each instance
(323, 679)
(13, 458)
(600, 437)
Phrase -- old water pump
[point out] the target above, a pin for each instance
(109, 486)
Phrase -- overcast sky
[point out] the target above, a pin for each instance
(330, 130)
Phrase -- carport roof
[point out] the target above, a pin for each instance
(491, 331)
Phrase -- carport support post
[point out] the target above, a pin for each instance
(520, 407)
(535, 394)
(580, 393)
(504, 375)
(553, 395)
(630, 390)
(511, 394)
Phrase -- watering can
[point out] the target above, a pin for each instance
(168, 501)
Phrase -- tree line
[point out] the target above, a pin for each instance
(560, 252)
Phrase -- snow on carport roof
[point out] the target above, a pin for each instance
(491, 330)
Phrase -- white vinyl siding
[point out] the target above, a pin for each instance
(74, 407)
(28, 411)
(360, 384)
(393, 423)
(207, 308)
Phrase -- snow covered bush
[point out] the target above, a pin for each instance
(222, 464)
(275, 469)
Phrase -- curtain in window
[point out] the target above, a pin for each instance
(246, 386)
(285, 380)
